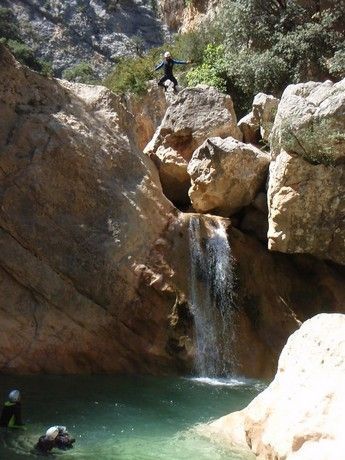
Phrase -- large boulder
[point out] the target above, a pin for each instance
(306, 208)
(80, 212)
(310, 122)
(196, 114)
(306, 193)
(299, 415)
(226, 174)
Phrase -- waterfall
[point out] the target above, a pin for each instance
(210, 296)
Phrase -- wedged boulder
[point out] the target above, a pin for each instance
(306, 192)
(264, 110)
(80, 211)
(250, 127)
(310, 122)
(226, 174)
(299, 415)
(306, 208)
(196, 114)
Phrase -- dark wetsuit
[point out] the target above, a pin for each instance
(168, 65)
(45, 444)
(11, 416)
(64, 441)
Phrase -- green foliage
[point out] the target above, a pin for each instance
(253, 46)
(10, 36)
(336, 64)
(46, 68)
(132, 73)
(8, 25)
(320, 140)
(80, 73)
(212, 71)
(269, 44)
(23, 53)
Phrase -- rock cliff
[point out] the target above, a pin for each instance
(79, 210)
(94, 260)
(298, 416)
(182, 15)
(98, 31)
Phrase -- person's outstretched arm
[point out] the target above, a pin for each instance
(176, 61)
(159, 66)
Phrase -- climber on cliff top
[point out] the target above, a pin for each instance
(168, 64)
(11, 415)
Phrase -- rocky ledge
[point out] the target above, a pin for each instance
(298, 417)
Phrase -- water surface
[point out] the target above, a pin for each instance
(125, 418)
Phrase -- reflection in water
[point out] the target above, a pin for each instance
(124, 418)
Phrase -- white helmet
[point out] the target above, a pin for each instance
(167, 54)
(52, 432)
(14, 396)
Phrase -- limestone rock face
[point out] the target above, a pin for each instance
(80, 211)
(264, 110)
(140, 116)
(181, 16)
(196, 114)
(226, 175)
(306, 208)
(299, 415)
(69, 32)
(306, 193)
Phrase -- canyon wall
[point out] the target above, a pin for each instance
(95, 260)
(79, 208)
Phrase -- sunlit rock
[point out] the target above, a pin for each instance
(299, 415)
(196, 114)
(226, 174)
(306, 193)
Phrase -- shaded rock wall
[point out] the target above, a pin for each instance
(274, 293)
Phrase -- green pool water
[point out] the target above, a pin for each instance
(124, 418)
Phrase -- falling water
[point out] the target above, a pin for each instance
(211, 296)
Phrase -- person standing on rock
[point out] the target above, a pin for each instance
(168, 64)
(11, 416)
